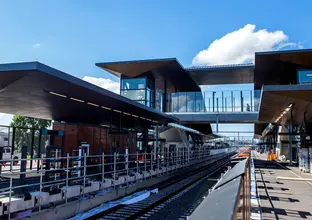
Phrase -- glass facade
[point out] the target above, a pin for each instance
(138, 83)
(215, 101)
(257, 94)
(304, 76)
(138, 89)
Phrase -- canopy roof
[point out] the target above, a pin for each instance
(174, 125)
(222, 74)
(36, 90)
(280, 67)
(169, 68)
(275, 99)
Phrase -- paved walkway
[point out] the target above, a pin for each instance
(282, 199)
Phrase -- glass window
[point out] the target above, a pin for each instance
(246, 101)
(134, 94)
(199, 103)
(138, 83)
(227, 101)
(141, 102)
(304, 76)
(182, 102)
(190, 96)
(257, 94)
(208, 101)
(174, 102)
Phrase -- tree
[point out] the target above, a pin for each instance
(24, 128)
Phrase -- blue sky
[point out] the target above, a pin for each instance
(73, 35)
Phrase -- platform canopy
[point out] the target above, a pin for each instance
(169, 68)
(222, 74)
(258, 129)
(276, 99)
(280, 67)
(36, 90)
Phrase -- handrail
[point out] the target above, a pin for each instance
(108, 170)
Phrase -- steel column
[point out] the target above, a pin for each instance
(290, 130)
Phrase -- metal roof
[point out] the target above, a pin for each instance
(283, 51)
(134, 68)
(280, 67)
(37, 90)
(223, 74)
(170, 68)
(174, 125)
(275, 99)
(226, 66)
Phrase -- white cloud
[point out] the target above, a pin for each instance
(37, 45)
(239, 46)
(104, 83)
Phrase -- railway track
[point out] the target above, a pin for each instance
(153, 206)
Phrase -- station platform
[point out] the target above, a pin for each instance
(283, 191)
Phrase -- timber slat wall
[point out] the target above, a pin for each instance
(98, 137)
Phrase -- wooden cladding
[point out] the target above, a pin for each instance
(98, 138)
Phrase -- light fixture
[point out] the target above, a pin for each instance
(126, 113)
(77, 100)
(106, 108)
(107, 126)
(284, 112)
(116, 111)
(90, 103)
(57, 94)
(135, 116)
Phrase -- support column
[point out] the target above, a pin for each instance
(32, 147)
(217, 123)
(156, 145)
(290, 130)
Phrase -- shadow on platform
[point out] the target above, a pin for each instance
(282, 199)
(286, 212)
(268, 165)
(273, 188)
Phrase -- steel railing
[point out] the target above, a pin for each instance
(108, 170)
(214, 101)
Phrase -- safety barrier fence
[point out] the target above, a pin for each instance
(215, 101)
(61, 178)
(230, 197)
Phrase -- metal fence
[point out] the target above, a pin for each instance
(75, 176)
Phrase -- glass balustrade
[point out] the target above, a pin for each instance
(215, 101)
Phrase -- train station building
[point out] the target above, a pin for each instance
(159, 124)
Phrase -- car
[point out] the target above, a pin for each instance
(6, 155)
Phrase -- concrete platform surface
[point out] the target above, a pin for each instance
(282, 199)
